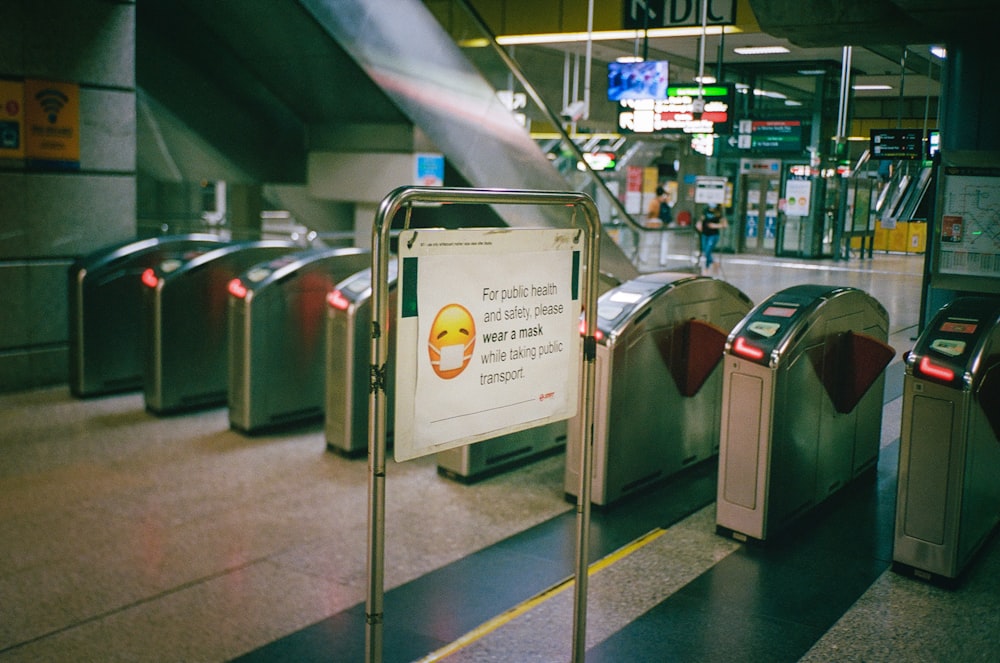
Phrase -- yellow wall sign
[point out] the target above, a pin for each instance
(11, 120)
(52, 122)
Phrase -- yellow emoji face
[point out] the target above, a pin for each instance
(451, 341)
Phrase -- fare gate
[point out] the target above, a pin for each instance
(277, 336)
(801, 405)
(948, 495)
(660, 339)
(105, 310)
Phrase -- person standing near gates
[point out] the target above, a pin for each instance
(712, 221)
(659, 209)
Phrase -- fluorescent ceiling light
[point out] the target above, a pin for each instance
(769, 94)
(704, 80)
(606, 35)
(628, 59)
(760, 50)
(939, 52)
(812, 72)
(871, 87)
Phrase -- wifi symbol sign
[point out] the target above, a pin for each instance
(51, 101)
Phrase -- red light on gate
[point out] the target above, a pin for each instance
(149, 278)
(598, 334)
(932, 370)
(337, 300)
(237, 289)
(744, 349)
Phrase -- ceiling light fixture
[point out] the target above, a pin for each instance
(605, 35)
(760, 50)
(871, 87)
(939, 52)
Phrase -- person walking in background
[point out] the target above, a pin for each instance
(659, 209)
(712, 221)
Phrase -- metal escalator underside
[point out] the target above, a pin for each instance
(257, 81)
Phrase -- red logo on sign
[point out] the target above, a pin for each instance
(12, 107)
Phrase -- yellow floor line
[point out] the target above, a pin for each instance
(518, 610)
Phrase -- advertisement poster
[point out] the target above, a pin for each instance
(488, 337)
(797, 193)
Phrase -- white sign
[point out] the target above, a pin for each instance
(710, 190)
(488, 337)
(797, 195)
(428, 169)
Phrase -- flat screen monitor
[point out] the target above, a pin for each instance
(638, 80)
(896, 143)
(933, 142)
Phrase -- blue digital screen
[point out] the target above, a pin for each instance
(638, 80)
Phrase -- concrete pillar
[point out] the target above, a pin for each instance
(51, 215)
(970, 91)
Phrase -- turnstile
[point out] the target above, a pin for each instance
(474, 462)
(948, 494)
(348, 362)
(277, 336)
(659, 339)
(105, 310)
(185, 304)
(802, 388)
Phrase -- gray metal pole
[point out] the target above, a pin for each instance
(390, 205)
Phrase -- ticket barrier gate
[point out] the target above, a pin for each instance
(277, 336)
(105, 310)
(948, 494)
(802, 394)
(657, 391)
(474, 462)
(348, 362)
(184, 312)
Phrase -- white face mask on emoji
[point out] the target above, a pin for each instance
(451, 356)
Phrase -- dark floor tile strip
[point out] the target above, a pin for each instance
(772, 602)
(430, 611)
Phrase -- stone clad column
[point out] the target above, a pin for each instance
(50, 214)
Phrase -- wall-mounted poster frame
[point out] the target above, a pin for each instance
(964, 241)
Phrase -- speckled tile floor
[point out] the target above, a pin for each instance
(128, 537)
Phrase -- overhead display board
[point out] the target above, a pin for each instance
(896, 144)
(776, 135)
(687, 109)
(647, 14)
(488, 337)
(638, 80)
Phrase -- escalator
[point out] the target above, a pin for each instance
(323, 74)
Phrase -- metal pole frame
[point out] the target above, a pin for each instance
(387, 210)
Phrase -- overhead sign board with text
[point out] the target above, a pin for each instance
(648, 14)
(688, 109)
(896, 143)
(488, 338)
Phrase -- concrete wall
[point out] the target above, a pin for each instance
(48, 218)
